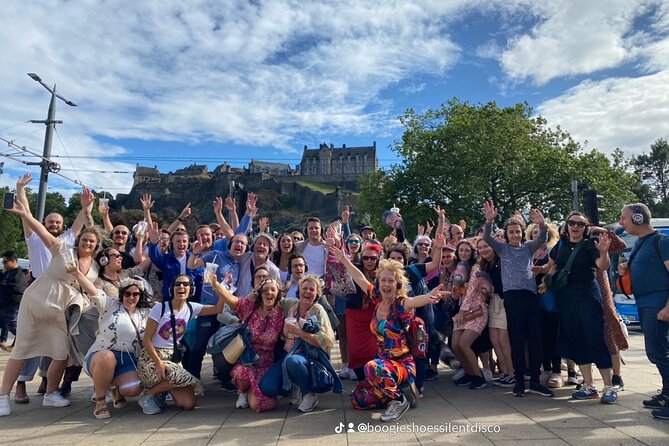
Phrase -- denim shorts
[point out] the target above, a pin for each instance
(125, 362)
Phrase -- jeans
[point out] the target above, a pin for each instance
(8, 314)
(30, 367)
(656, 338)
(523, 318)
(298, 371)
(206, 327)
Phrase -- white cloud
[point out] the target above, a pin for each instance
(575, 38)
(625, 113)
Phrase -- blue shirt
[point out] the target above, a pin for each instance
(650, 279)
(225, 264)
(171, 269)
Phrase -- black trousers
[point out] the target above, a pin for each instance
(523, 319)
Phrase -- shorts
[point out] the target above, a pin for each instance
(125, 362)
(496, 313)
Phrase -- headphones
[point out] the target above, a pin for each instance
(262, 285)
(320, 223)
(191, 284)
(103, 258)
(637, 216)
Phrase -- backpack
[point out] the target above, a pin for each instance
(624, 282)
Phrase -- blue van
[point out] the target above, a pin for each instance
(626, 305)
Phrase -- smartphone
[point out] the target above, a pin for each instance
(8, 202)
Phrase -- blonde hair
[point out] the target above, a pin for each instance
(397, 269)
(553, 234)
(313, 279)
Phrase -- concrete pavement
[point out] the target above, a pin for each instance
(447, 415)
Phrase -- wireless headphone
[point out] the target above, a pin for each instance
(103, 258)
(191, 284)
(637, 216)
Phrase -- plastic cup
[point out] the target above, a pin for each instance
(210, 271)
(142, 226)
(290, 320)
(104, 201)
(69, 258)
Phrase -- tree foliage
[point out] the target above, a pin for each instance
(653, 170)
(460, 155)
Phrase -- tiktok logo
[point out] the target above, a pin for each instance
(340, 429)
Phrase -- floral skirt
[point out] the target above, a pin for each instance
(175, 375)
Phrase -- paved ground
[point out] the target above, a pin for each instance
(447, 415)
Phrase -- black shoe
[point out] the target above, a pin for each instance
(410, 392)
(519, 388)
(662, 414)
(540, 390)
(431, 374)
(659, 401)
(617, 381)
(228, 387)
(464, 381)
(478, 382)
(572, 378)
(65, 388)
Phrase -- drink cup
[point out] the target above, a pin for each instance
(69, 258)
(210, 272)
(290, 320)
(142, 226)
(104, 201)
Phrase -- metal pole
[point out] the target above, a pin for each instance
(46, 161)
(574, 191)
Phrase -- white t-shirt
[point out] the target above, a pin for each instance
(39, 254)
(162, 338)
(292, 291)
(182, 264)
(315, 257)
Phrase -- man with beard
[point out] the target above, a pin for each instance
(40, 257)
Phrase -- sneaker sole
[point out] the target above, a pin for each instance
(607, 402)
(536, 392)
(661, 417)
(480, 386)
(397, 418)
(589, 397)
(310, 409)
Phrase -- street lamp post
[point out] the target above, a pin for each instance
(46, 164)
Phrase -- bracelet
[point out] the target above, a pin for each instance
(180, 219)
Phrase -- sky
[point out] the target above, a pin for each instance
(172, 83)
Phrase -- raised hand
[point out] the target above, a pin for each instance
(147, 202)
(24, 180)
(429, 226)
(421, 229)
(337, 253)
(18, 209)
(87, 199)
(230, 204)
(218, 205)
(154, 233)
(185, 213)
(604, 243)
(537, 217)
(489, 211)
(518, 215)
(463, 225)
(251, 202)
(439, 242)
(264, 224)
(441, 214)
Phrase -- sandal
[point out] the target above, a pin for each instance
(118, 400)
(101, 413)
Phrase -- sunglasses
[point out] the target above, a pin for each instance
(580, 224)
(369, 258)
(132, 294)
(422, 244)
(176, 284)
(116, 254)
(354, 241)
(117, 232)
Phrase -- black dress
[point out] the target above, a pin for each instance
(581, 337)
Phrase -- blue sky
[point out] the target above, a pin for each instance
(172, 83)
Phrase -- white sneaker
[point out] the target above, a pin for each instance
(295, 396)
(395, 410)
(344, 373)
(55, 400)
(458, 374)
(544, 377)
(309, 402)
(487, 374)
(351, 375)
(242, 401)
(5, 410)
(149, 405)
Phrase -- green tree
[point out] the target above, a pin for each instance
(653, 169)
(11, 235)
(460, 155)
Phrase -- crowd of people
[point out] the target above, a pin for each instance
(139, 309)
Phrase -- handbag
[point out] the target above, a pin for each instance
(547, 301)
(320, 379)
(338, 282)
(232, 351)
(560, 279)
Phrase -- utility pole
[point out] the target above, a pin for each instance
(574, 192)
(46, 164)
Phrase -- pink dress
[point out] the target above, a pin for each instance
(265, 332)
